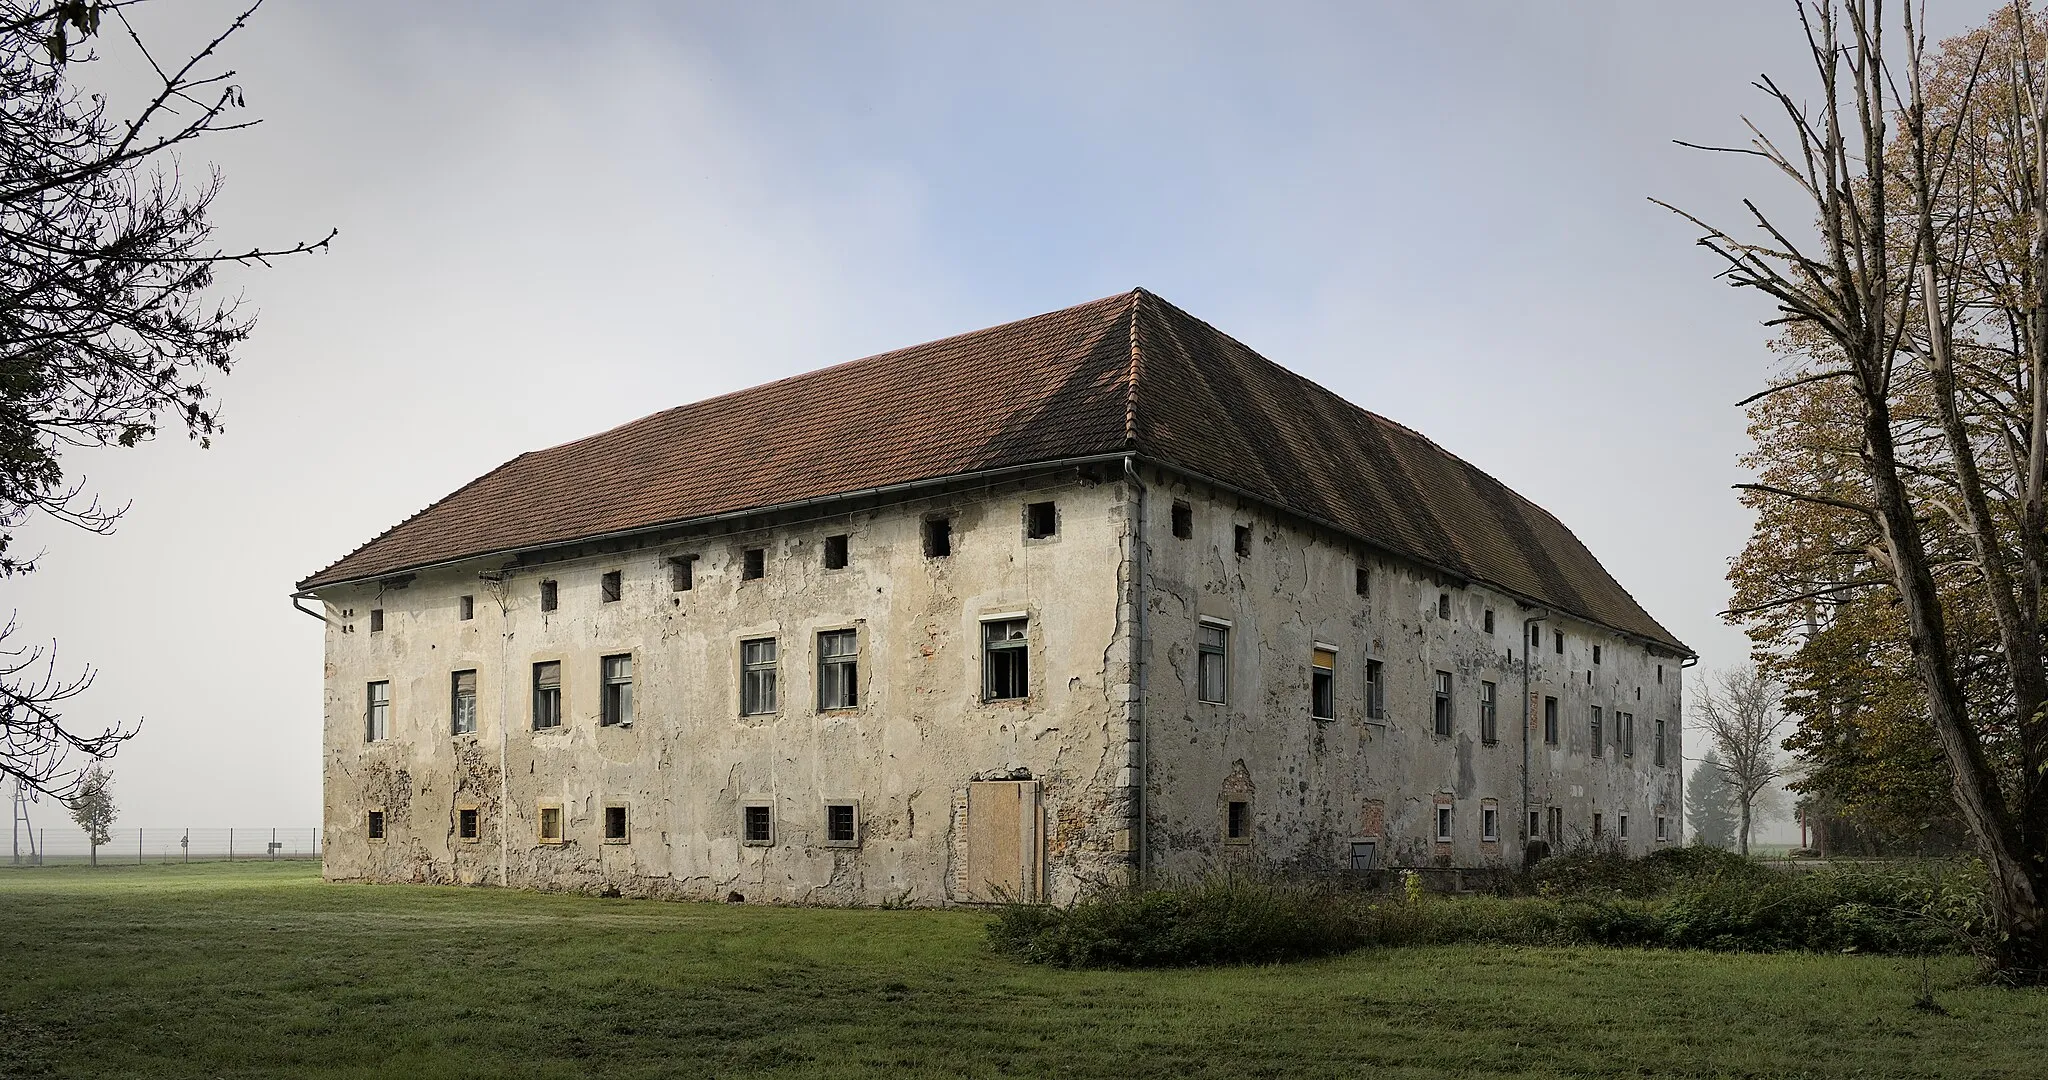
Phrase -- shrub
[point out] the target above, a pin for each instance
(1224, 921)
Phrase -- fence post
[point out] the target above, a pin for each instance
(231, 845)
(138, 847)
(273, 844)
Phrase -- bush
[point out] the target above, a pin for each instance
(1225, 921)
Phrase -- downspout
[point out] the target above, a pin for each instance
(495, 579)
(1528, 722)
(1678, 734)
(1135, 712)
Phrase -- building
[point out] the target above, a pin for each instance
(1010, 614)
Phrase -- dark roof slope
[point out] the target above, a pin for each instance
(1128, 373)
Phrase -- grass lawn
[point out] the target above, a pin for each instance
(263, 970)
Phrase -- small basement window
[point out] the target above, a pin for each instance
(1041, 520)
(376, 828)
(1365, 855)
(938, 538)
(835, 552)
(549, 598)
(682, 573)
(467, 827)
(1241, 536)
(465, 608)
(614, 824)
(757, 825)
(753, 564)
(376, 620)
(1183, 520)
(841, 826)
(1237, 821)
(550, 824)
(609, 587)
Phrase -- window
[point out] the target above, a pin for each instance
(1364, 855)
(682, 573)
(1596, 824)
(1557, 638)
(377, 721)
(757, 676)
(841, 825)
(1375, 690)
(1550, 720)
(1594, 732)
(617, 673)
(549, 598)
(1596, 654)
(1364, 583)
(465, 608)
(1628, 734)
(938, 538)
(1005, 659)
(1535, 636)
(466, 825)
(1443, 605)
(547, 695)
(376, 620)
(1237, 821)
(1322, 689)
(1212, 663)
(1489, 824)
(1662, 833)
(462, 703)
(1489, 713)
(757, 824)
(609, 586)
(1660, 682)
(376, 825)
(1183, 520)
(1535, 824)
(838, 670)
(614, 824)
(550, 824)
(1241, 538)
(1621, 826)
(1443, 704)
(753, 564)
(835, 552)
(1659, 732)
(1443, 824)
(1041, 520)
(1487, 621)
(1556, 825)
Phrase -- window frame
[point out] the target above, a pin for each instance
(1596, 730)
(377, 711)
(1443, 606)
(615, 701)
(760, 679)
(1362, 586)
(1183, 520)
(852, 808)
(1489, 712)
(1441, 714)
(936, 536)
(1663, 830)
(469, 824)
(754, 563)
(465, 607)
(837, 552)
(1598, 823)
(376, 620)
(1628, 734)
(1375, 690)
(1445, 823)
(550, 594)
(991, 648)
(540, 824)
(1660, 741)
(1550, 722)
(1621, 826)
(376, 825)
(843, 668)
(1041, 520)
(682, 573)
(1214, 654)
(1237, 821)
(1322, 683)
(456, 699)
(611, 587)
(767, 814)
(1241, 540)
(625, 833)
(1489, 824)
(546, 700)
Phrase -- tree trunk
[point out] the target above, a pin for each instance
(1742, 838)
(95, 853)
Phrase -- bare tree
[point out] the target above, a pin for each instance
(109, 326)
(1737, 710)
(1881, 281)
(92, 807)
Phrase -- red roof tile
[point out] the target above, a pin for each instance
(1128, 373)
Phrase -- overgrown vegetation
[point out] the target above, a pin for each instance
(1680, 898)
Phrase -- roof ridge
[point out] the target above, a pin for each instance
(1131, 382)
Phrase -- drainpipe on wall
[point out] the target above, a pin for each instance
(1528, 722)
(1135, 712)
(495, 581)
(1678, 735)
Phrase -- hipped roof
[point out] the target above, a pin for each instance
(1127, 374)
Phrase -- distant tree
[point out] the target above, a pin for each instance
(1707, 806)
(1737, 710)
(92, 807)
(109, 326)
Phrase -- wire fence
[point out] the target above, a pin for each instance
(68, 845)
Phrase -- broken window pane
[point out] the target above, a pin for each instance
(1005, 659)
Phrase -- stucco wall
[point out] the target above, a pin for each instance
(1314, 787)
(690, 761)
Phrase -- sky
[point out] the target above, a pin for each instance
(552, 225)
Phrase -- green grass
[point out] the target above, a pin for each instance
(263, 970)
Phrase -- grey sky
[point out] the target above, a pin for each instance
(551, 225)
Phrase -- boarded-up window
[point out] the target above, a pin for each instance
(1005, 843)
(376, 620)
(550, 824)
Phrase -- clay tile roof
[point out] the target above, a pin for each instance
(1124, 374)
